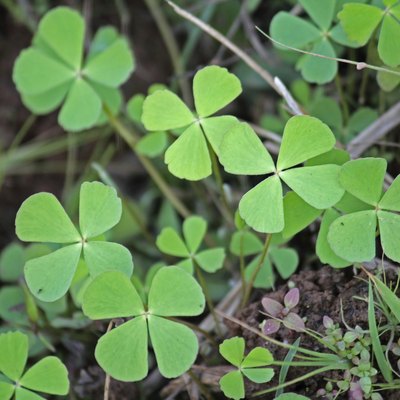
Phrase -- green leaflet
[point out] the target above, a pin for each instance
(53, 69)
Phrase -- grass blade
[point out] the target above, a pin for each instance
(285, 368)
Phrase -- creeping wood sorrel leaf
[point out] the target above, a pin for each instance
(352, 236)
(189, 156)
(194, 229)
(12, 260)
(252, 366)
(52, 71)
(304, 137)
(317, 36)
(123, 352)
(48, 375)
(360, 21)
(284, 260)
(41, 218)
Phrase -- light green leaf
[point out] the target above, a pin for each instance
(265, 278)
(24, 394)
(298, 214)
(322, 13)
(388, 81)
(188, 157)
(175, 345)
(323, 249)
(211, 260)
(100, 209)
(41, 218)
(245, 243)
(110, 97)
(352, 236)
(298, 35)
(384, 366)
(258, 357)
(334, 156)
(49, 277)
(232, 385)
(285, 261)
(49, 375)
(112, 66)
(348, 204)
(13, 354)
(111, 295)
(389, 227)
(169, 242)
(292, 396)
(262, 206)
(12, 260)
(214, 88)
(164, 110)
(304, 138)
(359, 21)
(102, 40)
(215, 129)
(153, 144)
(12, 305)
(389, 49)
(363, 178)
(175, 293)
(106, 256)
(63, 30)
(134, 108)
(194, 230)
(259, 375)
(123, 351)
(242, 152)
(388, 296)
(6, 390)
(233, 350)
(81, 109)
(46, 102)
(391, 199)
(36, 73)
(318, 186)
(186, 265)
(317, 69)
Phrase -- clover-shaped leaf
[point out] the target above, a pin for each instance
(252, 366)
(123, 352)
(242, 152)
(188, 157)
(352, 236)
(12, 260)
(194, 229)
(317, 35)
(48, 375)
(360, 21)
(41, 218)
(52, 71)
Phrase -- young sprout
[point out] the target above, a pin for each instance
(282, 313)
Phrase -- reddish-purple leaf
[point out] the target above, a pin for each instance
(294, 322)
(272, 307)
(292, 298)
(271, 326)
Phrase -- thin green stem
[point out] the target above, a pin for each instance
(242, 266)
(131, 138)
(209, 302)
(107, 381)
(71, 165)
(253, 276)
(172, 47)
(19, 137)
(342, 96)
(299, 379)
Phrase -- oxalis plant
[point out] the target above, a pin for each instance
(49, 375)
(41, 218)
(123, 352)
(53, 71)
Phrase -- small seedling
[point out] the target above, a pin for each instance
(48, 375)
(360, 22)
(282, 313)
(352, 236)
(189, 156)
(123, 352)
(298, 32)
(52, 72)
(252, 366)
(41, 218)
(194, 229)
(243, 153)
